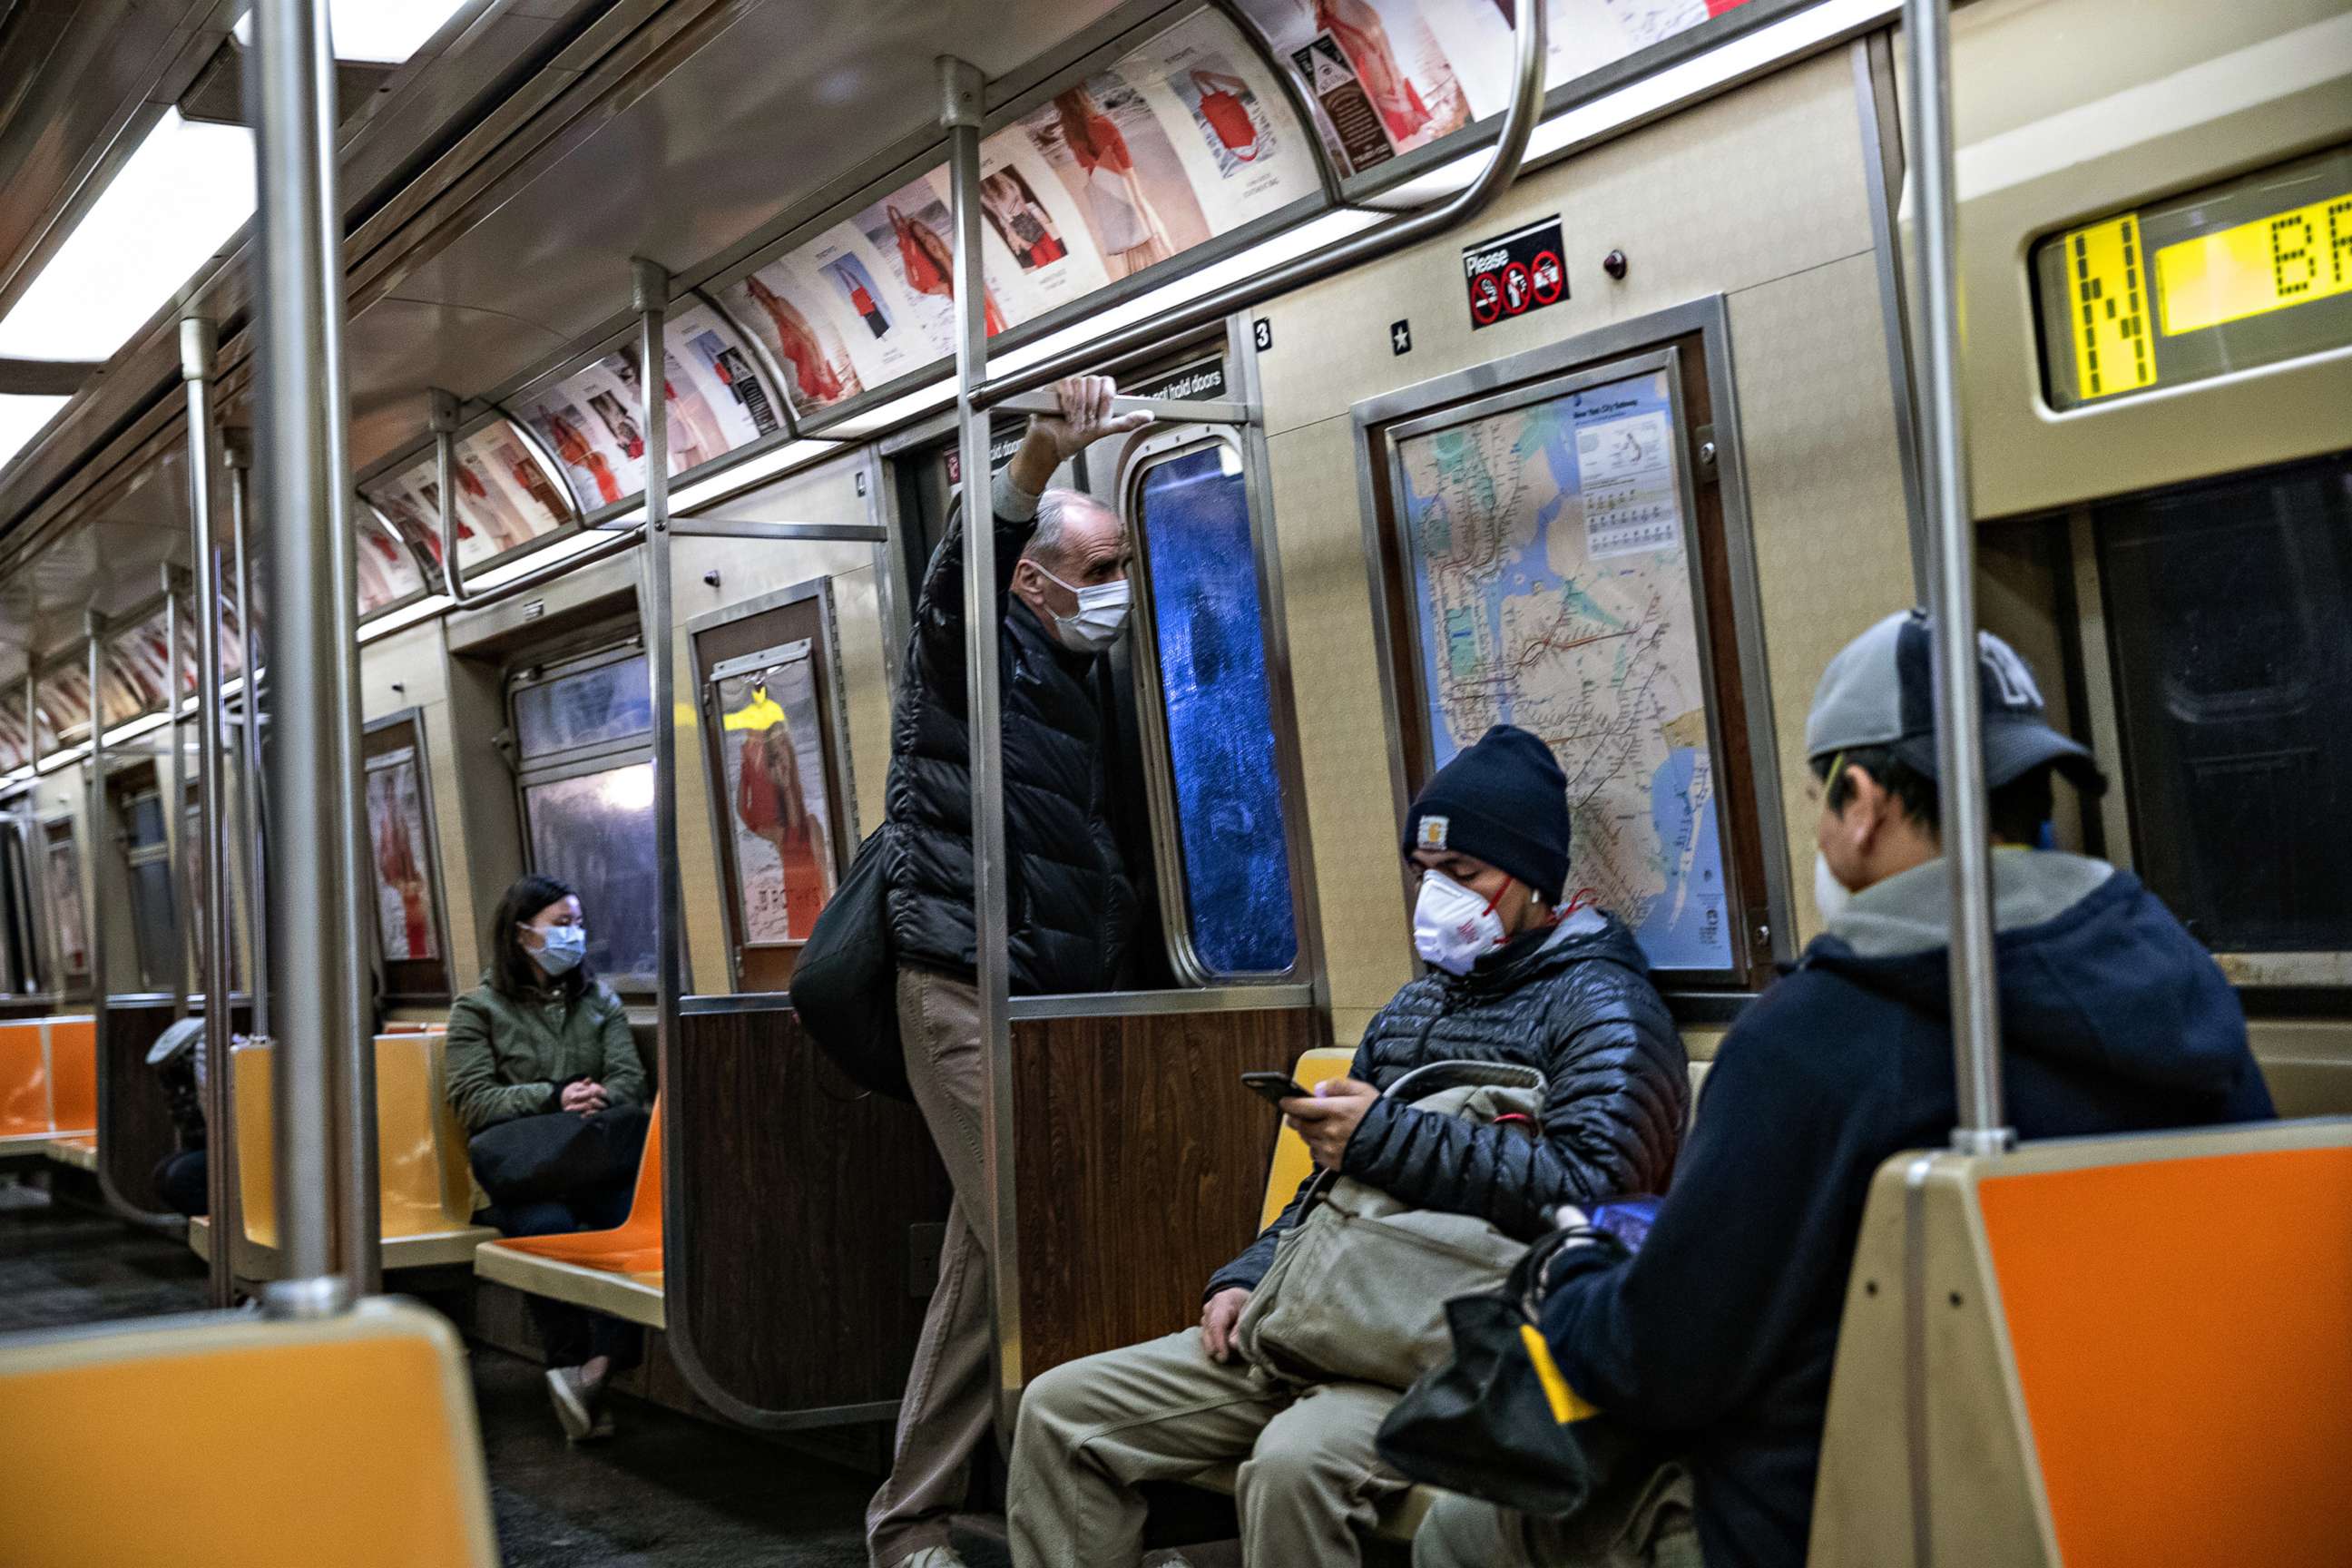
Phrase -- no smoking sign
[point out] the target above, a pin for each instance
(1515, 273)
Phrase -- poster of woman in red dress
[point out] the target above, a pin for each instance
(404, 905)
(775, 765)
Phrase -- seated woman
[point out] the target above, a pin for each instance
(541, 1035)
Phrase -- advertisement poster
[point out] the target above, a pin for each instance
(404, 900)
(1246, 154)
(909, 228)
(1036, 224)
(705, 351)
(505, 499)
(794, 313)
(772, 734)
(1115, 158)
(65, 899)
(16, 738)
(587, 421)
(65, 701)
(387, 571)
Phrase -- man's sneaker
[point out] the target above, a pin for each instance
(568, 1393)
(602, 1432)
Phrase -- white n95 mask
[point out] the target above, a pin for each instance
(1830, 895)
(1102, 615)
(1452, 927)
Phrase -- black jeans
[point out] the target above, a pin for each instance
(180, 1183)
(573, 1335)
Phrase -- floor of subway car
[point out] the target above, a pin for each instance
(668, 1492)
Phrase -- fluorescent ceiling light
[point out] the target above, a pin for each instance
(177, 200)
(387, 31)
(21, 418)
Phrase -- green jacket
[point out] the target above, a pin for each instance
(506, 1056)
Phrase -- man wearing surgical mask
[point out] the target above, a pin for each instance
(1512, 979)
(1061, 604)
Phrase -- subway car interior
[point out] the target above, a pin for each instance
(1426, 440)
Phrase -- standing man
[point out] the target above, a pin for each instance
(1062, 601)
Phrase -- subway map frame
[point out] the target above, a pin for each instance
(1538, 522)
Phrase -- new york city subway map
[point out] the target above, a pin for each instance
(1549, 545)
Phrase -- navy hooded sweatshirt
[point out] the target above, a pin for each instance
(1721, 1331)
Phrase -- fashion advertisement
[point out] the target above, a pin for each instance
(772, 736)
(16, 742)
(505, 498)
(1384, 82)
(1247, 153)
(64, 700)
(794, 317)
(587, 420)
(387, 571)
(742, 408)
(404, 898)
(65, 900)
(144, 658)
(911, 227)
(1114, 155)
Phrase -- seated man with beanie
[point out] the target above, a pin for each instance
(1719, 1335)
(1511, 982)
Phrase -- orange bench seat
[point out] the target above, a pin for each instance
(616, 1271)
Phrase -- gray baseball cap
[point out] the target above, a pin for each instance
(1880, 691)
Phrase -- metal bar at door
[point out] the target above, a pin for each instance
(199, 342)
(1959, 721)
(960, 91)
(327, 1221)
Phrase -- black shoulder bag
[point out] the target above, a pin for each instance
(846, 986)
(1498, 1421)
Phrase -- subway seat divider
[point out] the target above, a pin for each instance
(616, 1271)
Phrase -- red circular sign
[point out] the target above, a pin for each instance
(1486, 299)
(1516, 288)
(1548, 278)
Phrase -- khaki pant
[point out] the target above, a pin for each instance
(1647, 1526)
(1092, 1429)
(950, 1402)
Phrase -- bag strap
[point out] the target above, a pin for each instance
(1526, 1287)
(1431, 1077)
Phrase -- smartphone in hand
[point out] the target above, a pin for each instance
(1274, 1087)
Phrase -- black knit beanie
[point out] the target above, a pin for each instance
(1503, 801)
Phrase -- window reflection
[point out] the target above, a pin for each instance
(1211, 652)
(596, 832)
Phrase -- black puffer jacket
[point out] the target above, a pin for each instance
(1067, 893)
(1575, 1004)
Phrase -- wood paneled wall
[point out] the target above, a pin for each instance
(134, 1120)
(798, 1193)
(1141, 1165)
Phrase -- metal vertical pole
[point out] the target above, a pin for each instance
(442, 413)
(960, 86)
(172, 786)
(249, 796)
(199, 339)
(649, 298)
(311, 602)
(1959, 719)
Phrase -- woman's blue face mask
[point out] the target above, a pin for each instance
(562, 948)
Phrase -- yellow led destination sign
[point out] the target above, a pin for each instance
(2232, 278)
(2270, 264)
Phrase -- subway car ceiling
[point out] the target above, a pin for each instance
(501, 274)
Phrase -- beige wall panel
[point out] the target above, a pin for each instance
(2017, 601)
(1825, 496)
(1343, 722)
(1753, 186)
(858, 614)
(1348, 1023)
(1701, 1041)
(2307, 1063)
(416, 660)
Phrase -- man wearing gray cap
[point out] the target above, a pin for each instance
(1720, 1332)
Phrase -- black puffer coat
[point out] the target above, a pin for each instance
(1575, 1004)
(1067, 893)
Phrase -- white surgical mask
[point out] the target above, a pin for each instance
(1102, 614)
(1453, 927)
(1830, 895)
(563, 947)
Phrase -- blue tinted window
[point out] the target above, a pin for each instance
(1212, 687)
(604, 702)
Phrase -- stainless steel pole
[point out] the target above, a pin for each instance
(173, 786)
(249, 823)
(1959, 719)
(301, 406)
(442, 413)
(960, 87)
(199, 339)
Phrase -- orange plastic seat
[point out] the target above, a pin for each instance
(73, 1076)
(226, 1441)
(424, 1187)
(618, 1271)
(23, 1086)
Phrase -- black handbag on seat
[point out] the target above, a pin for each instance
(846, 986)
(559, 1154)
(1498, 1421)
